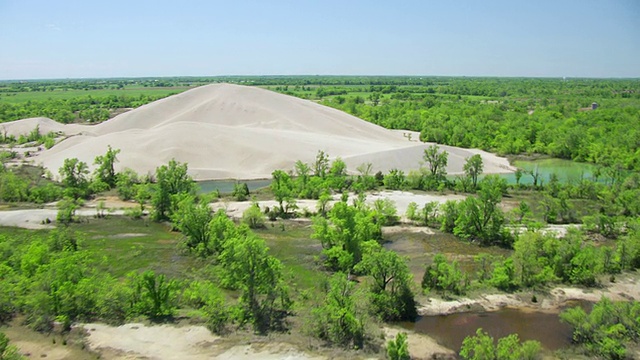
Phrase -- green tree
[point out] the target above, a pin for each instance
(67, 208)
(518, 175)
(74, 177)
(480, 218)
(444, 276)
(384, 212)
(473, 167)
(436, 162)
(478, 347)
(608, 329)
(412, 212)
(504, 275)
(264, 299)
(192, 219)
(172, 179)
(530, 265)
(395, 180)
(365, 181)
(343, 233)
(153, 295)
(302, 172)
(337, 174)
(391, 294)
(482, 347)
(281, 187)
(125, 184)
(207, 297)
(321, 165)
(337, 319)
(105, 171)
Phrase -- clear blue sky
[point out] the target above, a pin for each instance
(115, 38)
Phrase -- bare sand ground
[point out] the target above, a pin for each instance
(138, 341)
(421, 346)
(239, 132)
(45, 218)
(401, 199)
(37, 218)
(626, 287)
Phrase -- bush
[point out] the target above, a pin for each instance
(398, 349)
(134, 212)
(442, 276)
(253, 217)
(482, 347)
(240, 192)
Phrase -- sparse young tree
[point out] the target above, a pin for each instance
(436, 161)
(321, 165)
(473, 167)
(192, 219)
(105, 171)
(74, 177)
(365, 181)
(172, 179)
(281, 186)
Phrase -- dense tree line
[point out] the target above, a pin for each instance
(508, 116)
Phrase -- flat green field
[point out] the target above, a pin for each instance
(21, 97)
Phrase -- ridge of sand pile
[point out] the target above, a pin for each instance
(233, 131)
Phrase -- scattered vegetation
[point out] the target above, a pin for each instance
(229, 275)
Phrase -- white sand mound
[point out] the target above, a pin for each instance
(45, 125)
(233, 131)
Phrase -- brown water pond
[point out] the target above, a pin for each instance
(450, 330)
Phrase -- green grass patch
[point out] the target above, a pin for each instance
(295, 248)
(123, 245)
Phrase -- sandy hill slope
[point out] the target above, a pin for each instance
(233, 131)
(44, 125)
